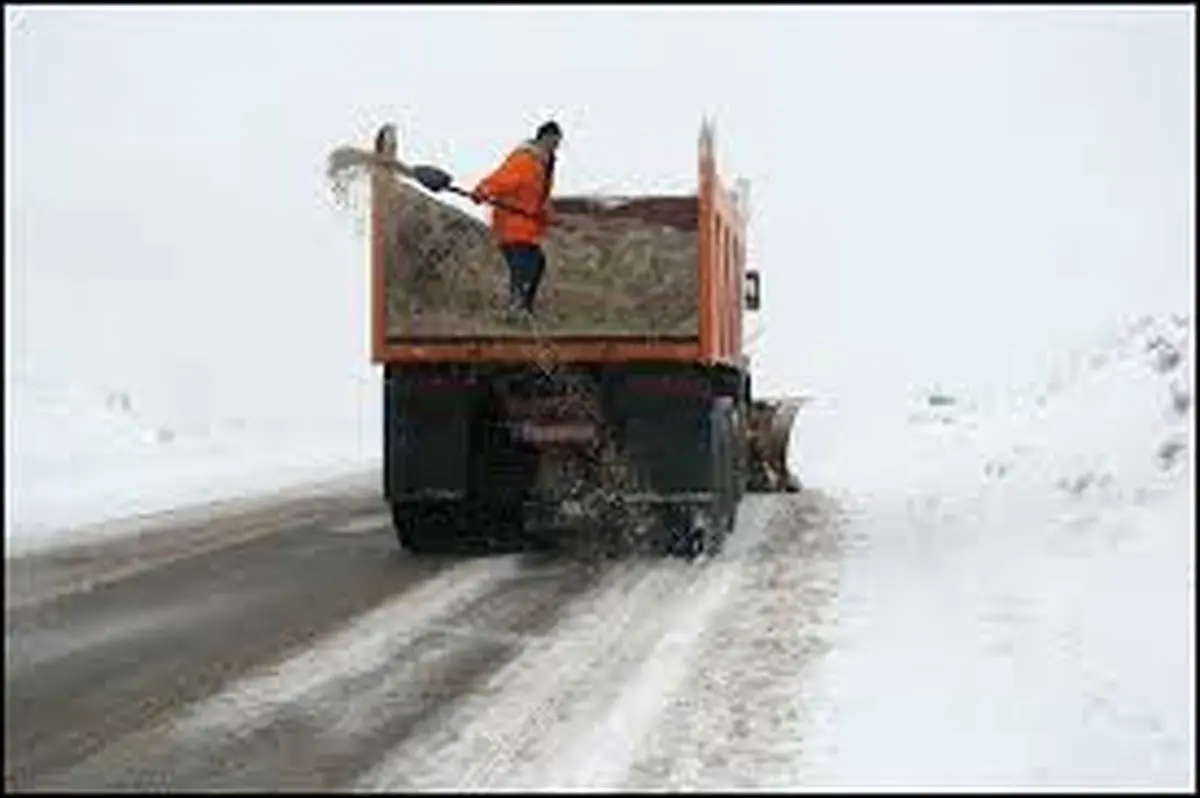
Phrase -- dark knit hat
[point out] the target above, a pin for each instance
(550, 128)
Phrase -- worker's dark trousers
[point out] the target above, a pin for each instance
(526, 262)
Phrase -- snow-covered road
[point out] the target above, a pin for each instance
(968, 595)
(315, 658)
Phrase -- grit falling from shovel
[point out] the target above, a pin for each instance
(346, 163)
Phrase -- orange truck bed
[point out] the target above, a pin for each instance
(721, 268)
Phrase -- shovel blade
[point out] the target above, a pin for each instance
(432, 177)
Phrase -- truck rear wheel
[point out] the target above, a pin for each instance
(429, 527)
(691, 531)
(700, 527)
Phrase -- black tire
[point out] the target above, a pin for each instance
(697, 542)
(729, 478)
(427, 527)
(493, 527)
(724, 526)
(740, 452)
(695, 529)
(687, 533)
(500, 470)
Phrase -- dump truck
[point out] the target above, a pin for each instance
(622, 414)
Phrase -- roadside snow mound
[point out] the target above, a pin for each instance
(79, 456)
(1016, 603)
(1111, 422)
(97, 426)
(1110, 425)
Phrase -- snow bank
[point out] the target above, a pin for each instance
(78, 456)
(1111, 413)
(1018, 600)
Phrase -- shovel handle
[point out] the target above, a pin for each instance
(425, 175)
(504, 206)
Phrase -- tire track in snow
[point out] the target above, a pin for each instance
(608, 722)
(737, 721)
(608, 715)
(363, 645)
(327, 744)
(328, 713)
(492, 740)
(254, 702)
(477, 736)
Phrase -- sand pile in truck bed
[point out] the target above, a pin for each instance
(605, 275)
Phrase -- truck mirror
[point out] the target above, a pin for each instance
(753, 290)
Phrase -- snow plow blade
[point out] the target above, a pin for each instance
(768, 431)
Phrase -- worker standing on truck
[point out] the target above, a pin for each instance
(523, 182)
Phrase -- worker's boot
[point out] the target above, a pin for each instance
(528, 293)
(515, 310)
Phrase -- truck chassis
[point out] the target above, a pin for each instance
(486, 457)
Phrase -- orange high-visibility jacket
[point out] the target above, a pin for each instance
(522, 182)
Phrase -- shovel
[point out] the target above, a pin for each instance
(438, 180)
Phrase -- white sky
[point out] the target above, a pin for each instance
(936, 192)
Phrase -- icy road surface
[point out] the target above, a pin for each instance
(296, 648)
